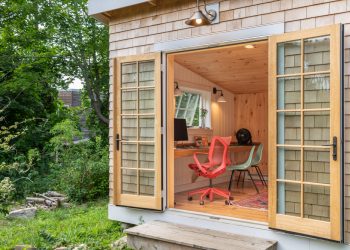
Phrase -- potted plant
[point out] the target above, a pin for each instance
(203, 115)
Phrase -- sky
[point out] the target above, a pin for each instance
(77, 84)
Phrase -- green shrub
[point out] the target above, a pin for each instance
(82, 171)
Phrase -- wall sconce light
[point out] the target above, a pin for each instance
(177, 91)
(200, 19)
(221, 97)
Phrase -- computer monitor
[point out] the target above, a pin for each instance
(180, 130)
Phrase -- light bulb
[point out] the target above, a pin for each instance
(199, 21)
(249, 46)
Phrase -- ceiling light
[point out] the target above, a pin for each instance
(249, 46)
(199, 19)
(221, 97)
(177, 91)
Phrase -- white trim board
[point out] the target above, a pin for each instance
(98, 6)
(217, 39)
(286, 241)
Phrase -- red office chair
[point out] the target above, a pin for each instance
(218, 160)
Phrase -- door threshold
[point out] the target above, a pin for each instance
(221, 218)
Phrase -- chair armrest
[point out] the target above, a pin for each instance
(199, 165)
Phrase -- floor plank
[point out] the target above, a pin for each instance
(218, 207)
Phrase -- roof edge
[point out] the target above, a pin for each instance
(97, 7)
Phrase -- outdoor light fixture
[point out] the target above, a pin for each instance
(249, 46)
(177, 91)
(221, 97)
(200, 19)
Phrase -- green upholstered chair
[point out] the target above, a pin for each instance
(243, 167)
(256, 161)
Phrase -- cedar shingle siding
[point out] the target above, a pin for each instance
(134, 30)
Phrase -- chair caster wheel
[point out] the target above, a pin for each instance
(228, 202)
(189, 198)
(207, 196)
(231, 198)
(201, 203)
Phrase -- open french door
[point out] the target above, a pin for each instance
(137, 127)
(304, 137)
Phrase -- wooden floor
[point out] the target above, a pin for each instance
(218, 207)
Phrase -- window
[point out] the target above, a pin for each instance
(189, 105)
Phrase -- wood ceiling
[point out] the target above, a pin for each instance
(234, 68)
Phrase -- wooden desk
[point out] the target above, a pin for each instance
(233, 148)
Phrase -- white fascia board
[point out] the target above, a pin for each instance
(100, 6)
(222, 38)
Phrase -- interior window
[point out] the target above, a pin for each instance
(188, 107)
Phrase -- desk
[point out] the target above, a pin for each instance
(188, 151)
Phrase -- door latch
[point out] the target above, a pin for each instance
(334, 145)
(118, 140)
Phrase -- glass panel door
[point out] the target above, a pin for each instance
(305, 166)
(138, 157)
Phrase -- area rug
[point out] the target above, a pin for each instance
(258, 201)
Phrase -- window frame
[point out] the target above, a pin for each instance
(204, 102)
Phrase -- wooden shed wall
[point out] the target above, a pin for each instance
(136, 29)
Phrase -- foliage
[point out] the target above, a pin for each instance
(6, 192)
(82, 171)
(84, 43)
(203, 112)
(14, 169)
(86, 224)
(45, 45)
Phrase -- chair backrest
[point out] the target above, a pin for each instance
(258, 155)
(248, 162)
(218, 151)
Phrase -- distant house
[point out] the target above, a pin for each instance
(70, 98)
(279, 68)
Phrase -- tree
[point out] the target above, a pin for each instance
(58, 35)
(84, 43)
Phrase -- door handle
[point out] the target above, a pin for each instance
(118, 140)
(334, 145)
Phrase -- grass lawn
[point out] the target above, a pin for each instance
(82, 224)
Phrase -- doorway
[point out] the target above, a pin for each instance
(239, 74)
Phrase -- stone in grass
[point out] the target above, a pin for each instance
(25, 213)
(24, 247)
(81, 247)
(120, 244)
(61, 248)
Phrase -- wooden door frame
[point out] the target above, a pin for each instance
(170, 76)
(285, 222)
(148, 202)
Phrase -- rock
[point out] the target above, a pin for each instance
(126, 225)
(61, 248)
(80, 247)
(25, 213)
(24, 247)
(66, 205)
(53, 194)
(120, 244)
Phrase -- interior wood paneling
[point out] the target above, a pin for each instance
(234, 68)
(221, 113)
(251, 113)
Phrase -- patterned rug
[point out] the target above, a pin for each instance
(258, 201)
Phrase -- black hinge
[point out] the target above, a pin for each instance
(334, 145)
